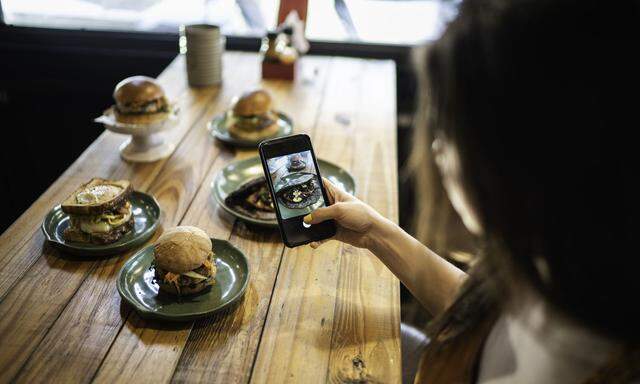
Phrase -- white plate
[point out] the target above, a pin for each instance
(110, 122)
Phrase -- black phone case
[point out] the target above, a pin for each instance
(265, 169)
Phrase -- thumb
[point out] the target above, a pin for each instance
(322, 214)
(335, 194)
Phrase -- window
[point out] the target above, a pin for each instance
(405, 22)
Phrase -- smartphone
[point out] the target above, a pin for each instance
(295, 183)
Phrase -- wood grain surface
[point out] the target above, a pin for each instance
(329, 315)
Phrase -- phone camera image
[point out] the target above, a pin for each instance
(296, 184)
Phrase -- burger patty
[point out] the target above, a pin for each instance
(184, 281)
(114, 235)
(152, 106)
(255, 122)
(77, 232)
(120, 209)
(74, 234)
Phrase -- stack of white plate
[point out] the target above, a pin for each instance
(203, 46)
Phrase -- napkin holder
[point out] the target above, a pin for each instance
(278, 70)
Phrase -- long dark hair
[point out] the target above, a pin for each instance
(540, 99)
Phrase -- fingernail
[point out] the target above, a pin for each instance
(307, 219)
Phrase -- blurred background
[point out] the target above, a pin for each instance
(61, 59)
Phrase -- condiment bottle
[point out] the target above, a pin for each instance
(271, 47)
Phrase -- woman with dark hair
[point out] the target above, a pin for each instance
(530, 119)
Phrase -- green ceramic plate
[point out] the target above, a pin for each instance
(218, 129)
(146, 213)
(136, 286)
(237, 173)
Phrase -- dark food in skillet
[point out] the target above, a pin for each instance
(252, 199)
(296, 163)
(184, 261)
(300, 192)
(99, 212)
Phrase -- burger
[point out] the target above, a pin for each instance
(99, 212)
(252, 117)
(184, 261)
(296, 163)
(140, 100)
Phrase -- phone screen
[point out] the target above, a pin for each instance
(296, 187)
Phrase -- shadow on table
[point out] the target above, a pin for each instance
(216, 212)
(229, 321)
(257, 233)
(57, 258)
(138, 325)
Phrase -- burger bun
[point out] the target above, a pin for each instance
(182, 249)
(253, 103)
(137, 89)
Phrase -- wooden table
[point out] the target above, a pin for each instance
(329, 315)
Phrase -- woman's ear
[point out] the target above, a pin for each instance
(447, 158)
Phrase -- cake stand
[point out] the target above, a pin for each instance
(147, 143)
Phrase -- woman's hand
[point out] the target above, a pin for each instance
(355, 220)
(433, 280)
